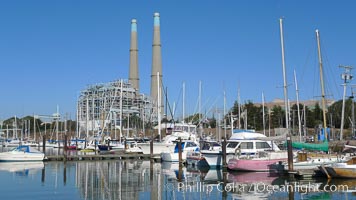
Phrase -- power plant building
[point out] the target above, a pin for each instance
(108, 106)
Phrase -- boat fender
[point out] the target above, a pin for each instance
(238, 152)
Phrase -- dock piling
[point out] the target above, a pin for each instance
(151, 149)
(290, 155)
(96, 145)
(180, 152)
(44, 144)
(224, 153)
(65, 147)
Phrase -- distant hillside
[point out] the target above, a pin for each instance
(308, 103)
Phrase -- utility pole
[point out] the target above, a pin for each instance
(346, 77)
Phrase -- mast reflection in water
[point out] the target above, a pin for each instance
(129, 179)
(117, 180)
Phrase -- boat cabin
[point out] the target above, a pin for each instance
(210, 145)
(187, 146)
(249, 147)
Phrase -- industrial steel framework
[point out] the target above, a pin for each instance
(109, 106)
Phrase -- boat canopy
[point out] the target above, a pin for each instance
(311, 146)
(246, 135)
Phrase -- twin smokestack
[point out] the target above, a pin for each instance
(156, 59)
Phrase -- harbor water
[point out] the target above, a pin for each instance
(142, 179)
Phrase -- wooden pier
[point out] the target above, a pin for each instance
(123, 156)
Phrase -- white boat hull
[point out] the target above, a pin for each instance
(22, 153)
(20, 156)
(134, 150)
(173, 156)
(158, 148)
(314, 163)
(214, 159)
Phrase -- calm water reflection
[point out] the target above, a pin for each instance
(142, 180)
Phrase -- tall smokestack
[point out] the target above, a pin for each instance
(156, 61)
(133, 74)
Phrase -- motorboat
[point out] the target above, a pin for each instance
(185, 131)
(22, 153)
(196, 159)
(246, 143)
(186, 146)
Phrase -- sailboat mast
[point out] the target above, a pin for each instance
(298, 112)
(15, 129)
(183, 101)
(120, 114)
(224, 114)
(305, 121)
(263, 114)
(284, 75)
(34, 127)
(57, 124)
(159, 106)
(321, 82)
(239, 108)
(199, 103)
(201, 129)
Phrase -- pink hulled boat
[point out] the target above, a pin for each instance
(260, 163)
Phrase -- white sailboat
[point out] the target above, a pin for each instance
(310, 160)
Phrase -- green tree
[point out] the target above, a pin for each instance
(335, 111)
(277, 117)
(254, 116)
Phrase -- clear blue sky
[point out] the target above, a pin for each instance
(51, 50)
